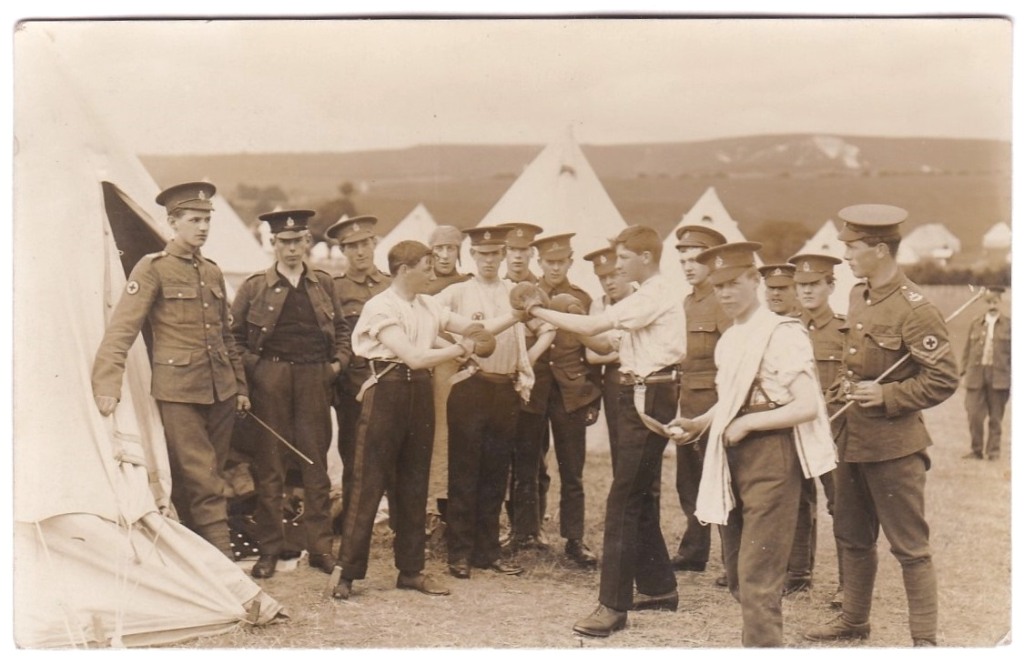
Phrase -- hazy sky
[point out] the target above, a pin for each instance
(226, 86)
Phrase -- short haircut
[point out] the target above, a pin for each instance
(893, 243)
(406, 252)
(639, 239)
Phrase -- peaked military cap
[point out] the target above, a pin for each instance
(813, 267)
(187, 196)
(603, 260)
(554, 247)
(520, 234)
(728, 261)
(347, 231)
(701, 237)
(288, 223)
(871, 220)
(777, 274)
(487, 236)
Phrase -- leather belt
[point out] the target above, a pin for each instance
(500, 378)
(398, 371)
(669, 375)
(296, 359)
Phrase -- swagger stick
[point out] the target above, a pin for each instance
(279, 437)
(898, 363)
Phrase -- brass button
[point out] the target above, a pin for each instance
(853, 351)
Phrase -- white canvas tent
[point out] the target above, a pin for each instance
(417, 225)
(707, 211)
(997, 237)
(929, 241)
(95, 560)
(560, 192)
(231, 244)
(826, 241)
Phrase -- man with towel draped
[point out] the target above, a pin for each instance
(768, 430)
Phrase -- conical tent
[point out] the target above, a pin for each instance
(95, 560)
(560, 192)
(707, 211)
(417, 225)
(826, 241)
(997, 237)
(928, 241)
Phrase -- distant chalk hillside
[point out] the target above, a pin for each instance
(801, 178)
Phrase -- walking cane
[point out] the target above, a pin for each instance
(898, 363)
(279, 437)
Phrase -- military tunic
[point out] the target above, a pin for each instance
(197, 372)
(987, 380)
(880, 481)
(564, 387)
(705, 323)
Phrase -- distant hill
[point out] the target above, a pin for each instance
(801, 178)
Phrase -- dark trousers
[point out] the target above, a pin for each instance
(394, 439)
(758, 536)
(347, 410)
(887, 494)
(198, 441)
(610, 396)
(986, 402)
(524, 507)
(295, 400)
(634, 549)
(569, 431)
(481, 428)
(695, 544)
(805, 540)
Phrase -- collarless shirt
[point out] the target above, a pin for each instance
(653, 321)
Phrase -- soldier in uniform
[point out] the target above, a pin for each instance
(294, 343)
(815, 283)
(519, 250)
(705, 323)
(650, 351)
(986, 373)
(198, 378)
(768, 429)
(564, 395)
(615, 288)
(780, 289)
(397, 334)
(482, 411)
(880, 481)
(445, 244)
(361, 281)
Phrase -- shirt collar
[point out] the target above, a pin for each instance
(877, 293)
(273, 276)
(373, 276)
(175, 249)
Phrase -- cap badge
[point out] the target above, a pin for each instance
(777, 272)
(719, 261)
(687, 235)
(355, 227)
(554, 245)
(290, 222)
(603, 259)
(519, 232)
(202, 195)
(806, 267)
(487, 235)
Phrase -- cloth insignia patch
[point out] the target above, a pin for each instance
(914, 297)
(132, 288)
(930, 342)
(931, 352)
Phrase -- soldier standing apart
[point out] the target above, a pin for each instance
(198, 379)
(705, 323)
(566, 397)
(768, 429)
(294, 343)
(815, 283)
(883, 455)
(361, 281)
(615, 288)
(397, 334)
(482, 411)
(445, 244)
(649, 352)
(986, 373)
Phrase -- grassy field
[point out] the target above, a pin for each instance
(968, 506)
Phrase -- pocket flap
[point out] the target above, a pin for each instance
(886, 341)
(180, 292)
(173, 357)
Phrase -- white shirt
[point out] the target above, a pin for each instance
(655, 327)
(990, 329)
(420, 319)
(477, 300)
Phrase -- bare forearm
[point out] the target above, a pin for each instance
(587, 326)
